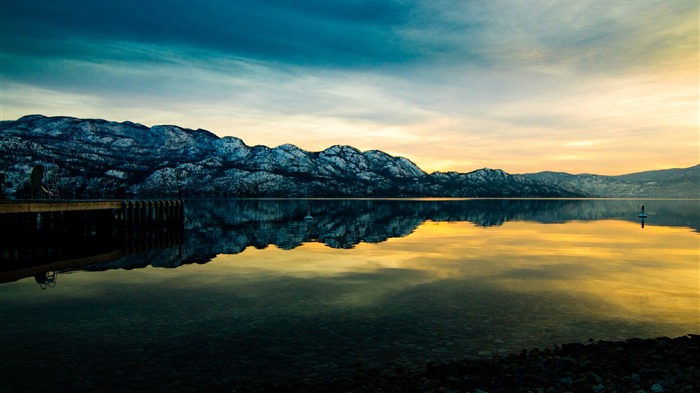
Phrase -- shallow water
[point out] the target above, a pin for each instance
(255, 294)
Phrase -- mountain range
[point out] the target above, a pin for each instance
(89, 158)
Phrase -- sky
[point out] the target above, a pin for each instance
(605, 87)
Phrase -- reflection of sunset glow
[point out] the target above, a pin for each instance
(636, 274)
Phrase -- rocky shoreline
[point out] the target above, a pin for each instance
(635, 365)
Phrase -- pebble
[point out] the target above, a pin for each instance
(566, 382)
(656, 388)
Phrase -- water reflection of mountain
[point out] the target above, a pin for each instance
(374, 218)
(229, 226)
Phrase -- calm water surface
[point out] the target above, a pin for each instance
(256, 294)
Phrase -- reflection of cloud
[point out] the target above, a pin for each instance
(503, 84)
(649, 275)
(522, 283)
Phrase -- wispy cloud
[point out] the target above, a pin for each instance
(451, 85)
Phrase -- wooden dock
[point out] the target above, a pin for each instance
(128, 213)
(44, 206)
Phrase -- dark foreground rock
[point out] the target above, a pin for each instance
(635, 365)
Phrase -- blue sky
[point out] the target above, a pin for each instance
(606, 87)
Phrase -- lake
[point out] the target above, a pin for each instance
(256, 294)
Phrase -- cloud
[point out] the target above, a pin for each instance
(459, 84)
(309, 33)
(585, 36)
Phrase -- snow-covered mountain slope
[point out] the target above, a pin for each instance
(98, 158)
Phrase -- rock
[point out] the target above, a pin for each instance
(656, 388)
(566, 382)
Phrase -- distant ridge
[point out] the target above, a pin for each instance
(674, 174)
(99, 158)
(665, 183)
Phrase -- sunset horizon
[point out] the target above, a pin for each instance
(368, 150)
